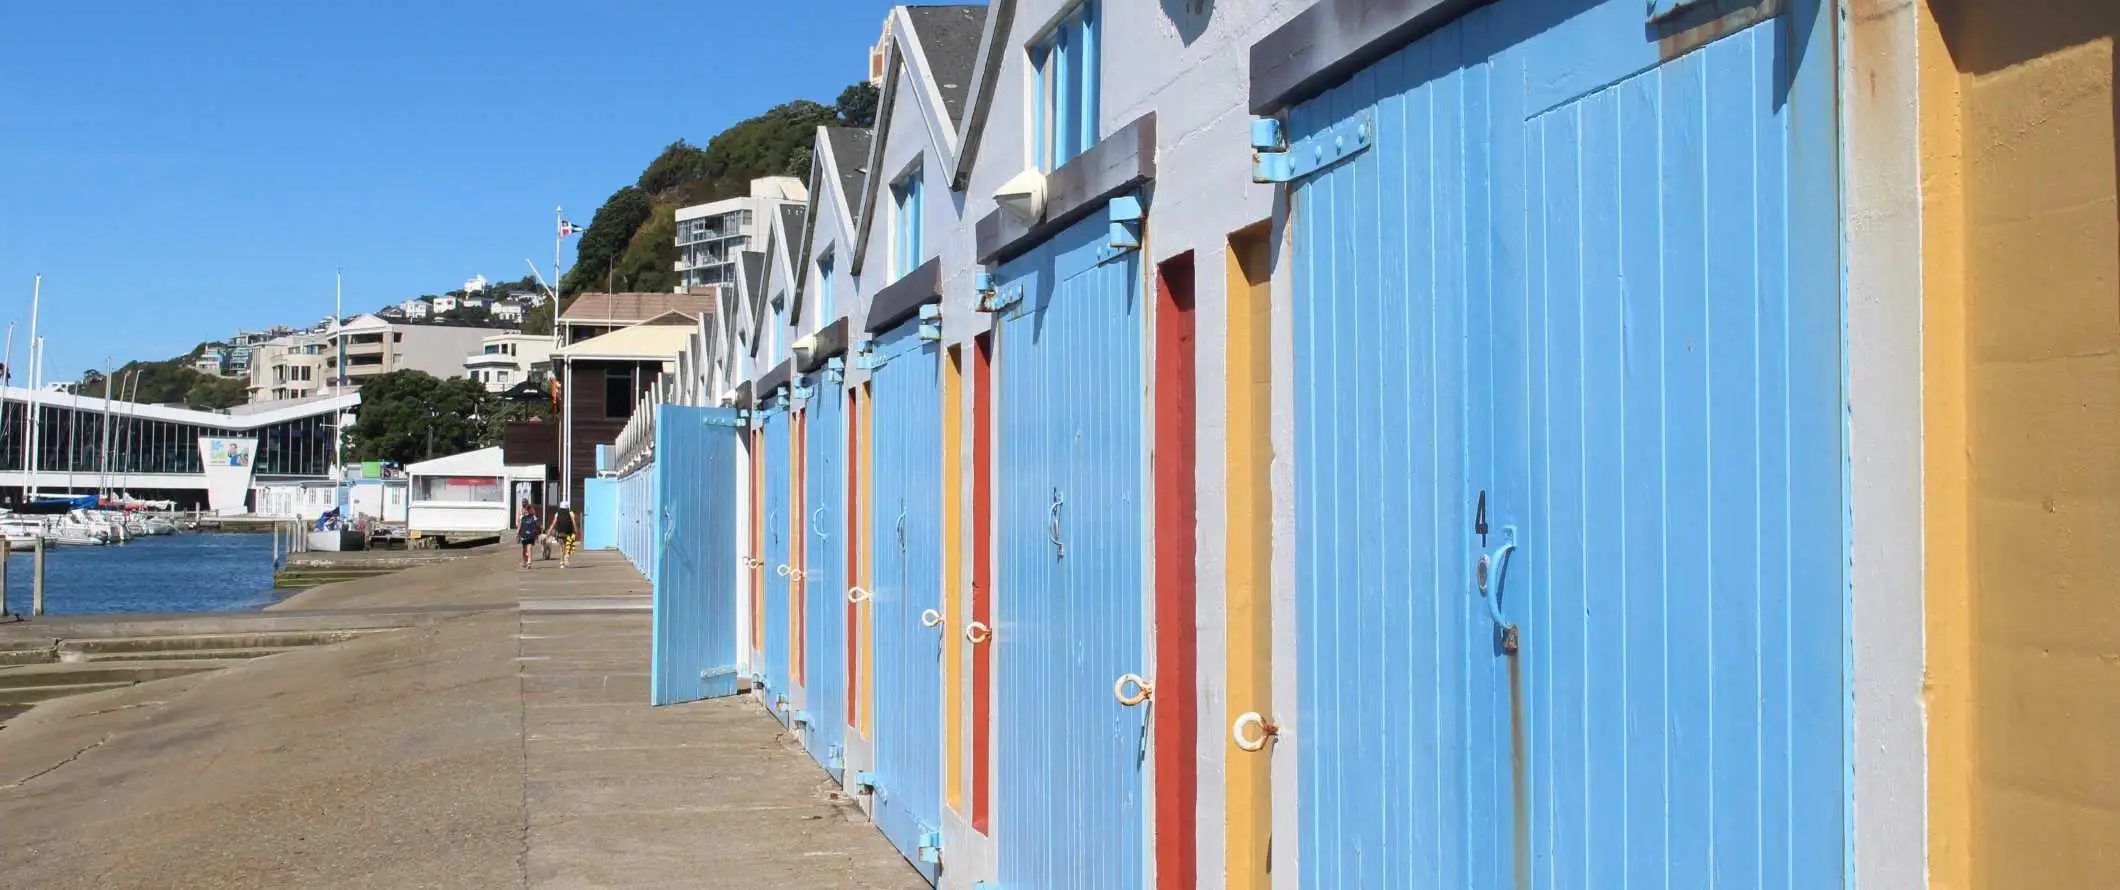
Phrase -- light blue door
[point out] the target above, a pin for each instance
(824, 573)
(907, 536)
(694, 645)
(1070, 465)
(774, 438)
(1575, 310)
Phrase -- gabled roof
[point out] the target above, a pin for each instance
(635, 307)
(645, 342)
(950, 37)
(850, 157)
(922, 36)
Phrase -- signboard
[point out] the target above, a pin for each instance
(229, 465)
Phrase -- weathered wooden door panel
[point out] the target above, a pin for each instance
(906, 500)
(1071, 535)
(824, 573)
(773, 673)
(1556, 319)
(694, 648)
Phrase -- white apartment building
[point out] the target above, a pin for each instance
(375, 346)
(444, 303)
(508, 311)
(415, 308)
(504, 360)
(290, 366)
(711, 237)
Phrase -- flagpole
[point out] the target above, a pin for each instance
(338, 389)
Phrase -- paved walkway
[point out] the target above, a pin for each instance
(708, 794)
(511, 747)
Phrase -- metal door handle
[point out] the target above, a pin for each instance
(1488, 575)
(857, 595)
(1142, 689)
(1251, 719)
(930, 618)
(813, 524)
(1052, 526)
(977, 632)
(781, 570)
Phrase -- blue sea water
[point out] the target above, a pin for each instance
(172, 573)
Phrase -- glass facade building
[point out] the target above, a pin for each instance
(72, 440)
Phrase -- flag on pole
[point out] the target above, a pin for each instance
(567, 228)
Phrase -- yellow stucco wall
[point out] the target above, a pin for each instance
(2021, 284)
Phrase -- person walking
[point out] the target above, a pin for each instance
(526, 531)
(562, 527)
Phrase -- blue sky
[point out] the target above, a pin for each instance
(177, 171)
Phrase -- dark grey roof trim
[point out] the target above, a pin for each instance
(1330, 41)
(831, 340)
(781, 375)
(971, 132)
(903, 298)
(1122, 161)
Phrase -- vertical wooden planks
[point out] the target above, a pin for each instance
(1248, 671)
(954, 701)
(1175, 497)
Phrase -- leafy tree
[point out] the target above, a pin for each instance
(630, 243)
(606, 238)
(678, 164)
(857, 104)
(538, 319)
(171, 382)
(410, 415)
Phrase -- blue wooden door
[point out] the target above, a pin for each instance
(1071, 536)
(1574, 314)
(824, 573)
(694, 648)
(907, 536)
(774, 440)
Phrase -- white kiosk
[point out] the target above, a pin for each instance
(466, 494)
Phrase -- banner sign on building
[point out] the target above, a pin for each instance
(229, 466)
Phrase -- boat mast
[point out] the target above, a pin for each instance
(103, 472)
(29, 447)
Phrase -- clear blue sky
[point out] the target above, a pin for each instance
(177, 170)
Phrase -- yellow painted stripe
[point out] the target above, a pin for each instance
(953, 611)
(1250, 653)
(1947, 472)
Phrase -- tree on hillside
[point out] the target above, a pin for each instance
(614, 253)
(410, 416)
(538, 319)
(680, 163)
(857, 105)
(606, 238)
(171, 382)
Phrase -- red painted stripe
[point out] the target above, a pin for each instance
(1177, 643)
(982, 570)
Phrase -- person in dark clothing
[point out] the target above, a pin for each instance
(526, 531)
(562, 527)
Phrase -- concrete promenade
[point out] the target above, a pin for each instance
(505, 747)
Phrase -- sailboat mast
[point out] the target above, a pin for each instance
(103, 471)
(36, 422)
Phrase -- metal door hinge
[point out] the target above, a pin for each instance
(1127, 216)
(835, 758)
(835, 371)
(866, 783)
(930, 846)
(931, 322)
(802, 718)
(1273, 159)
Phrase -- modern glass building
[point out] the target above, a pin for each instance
(85, 445)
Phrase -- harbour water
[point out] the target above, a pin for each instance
(170, 573)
